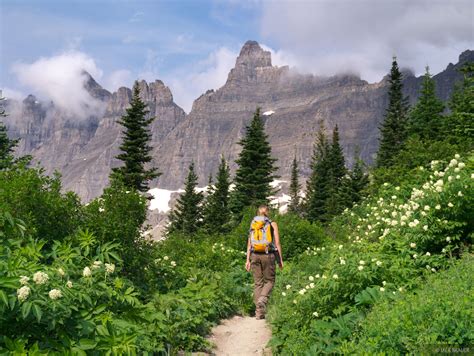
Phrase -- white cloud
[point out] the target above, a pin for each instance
(208, 74)
(328, 37)
(61, 79)
(9, 93)
(117, 79)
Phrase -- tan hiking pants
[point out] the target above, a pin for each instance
(263, 269)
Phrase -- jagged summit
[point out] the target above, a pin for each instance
(252, 55)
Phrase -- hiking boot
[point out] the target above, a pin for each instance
(260, 316)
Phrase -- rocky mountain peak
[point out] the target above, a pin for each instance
(94, 88)
(252, 55)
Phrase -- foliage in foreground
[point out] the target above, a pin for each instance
(390, 243)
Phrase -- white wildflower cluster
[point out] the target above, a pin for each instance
(97, 264)
(55, 294)
(24, 280)
(220, 249)
(69, 284)
(86, 272)
(23, 293)
(61, 272)
(40, 278)
(314, 250)
(109, 268)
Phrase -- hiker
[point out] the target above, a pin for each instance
(263, 250)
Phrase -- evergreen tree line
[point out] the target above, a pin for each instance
(330, 188)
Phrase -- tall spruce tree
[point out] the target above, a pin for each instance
(186, 217)
(338, 193)
(295, 201)
(460, 122)
(135, 146)
(256, 168)
(426, 117)
(358, 179)
(317, 187)
(393, 129)
(7, 145)
(217, 212)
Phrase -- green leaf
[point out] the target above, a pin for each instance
(37, 312)
(25, 309)
(4, 297)
(87, 344)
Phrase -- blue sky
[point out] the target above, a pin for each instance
(191, 45)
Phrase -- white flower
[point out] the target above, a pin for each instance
(415, 256)
(288, 286)
(343, 262)
(166, 258)
(472, 175)
(96, 264)
(360, 268)
(340, 247)
(385, 184)
(101, 210)
(433, 270)
(55, 294)
(109, 268)
(311, 278)
(460, 194)
(40, 278)
(450, 204)
(461, 165)
(306, 286)
(456, 169)
(302, 291)
(283, 294)
(294, 301)
(428, 254)
(437, 207)
(311, 285)
(384, 283)
(448, 239)
(24, 280)
(23, 293)
(361, 262)
(69, 284)
(324, 276)
(382, 289)
(394, 197)
(425, 227)
(457, 156)
(458, 176)
(86, 272)
(317, 276)
(426, 208)
(378, 263)
(315, 314)
(397, 188)
(450, 178)
(61, 272)
(335, 276)
(412, 245)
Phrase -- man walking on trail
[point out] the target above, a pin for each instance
(263, 250)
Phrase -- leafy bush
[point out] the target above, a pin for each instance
(440, 312)
(29, 195)
(394, 240)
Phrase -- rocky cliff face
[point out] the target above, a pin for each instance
(84, 150)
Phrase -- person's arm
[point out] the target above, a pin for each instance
(247, 264)
(277, 241)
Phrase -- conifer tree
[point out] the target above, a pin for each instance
(358, 178)
(336, 159)
(217, 212)
(460, 122)
(186, 216)
(426, 119)
(135, 146)
(7, 145)
(317, 187)
(256, 168)
(295, 186)
(393, 130)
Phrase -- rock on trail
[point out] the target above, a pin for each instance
(240, 336)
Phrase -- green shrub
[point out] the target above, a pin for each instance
(440, 312)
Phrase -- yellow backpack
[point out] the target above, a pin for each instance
(261, 239)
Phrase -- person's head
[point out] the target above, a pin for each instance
(262, 210)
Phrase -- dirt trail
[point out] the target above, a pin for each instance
(240, 336)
